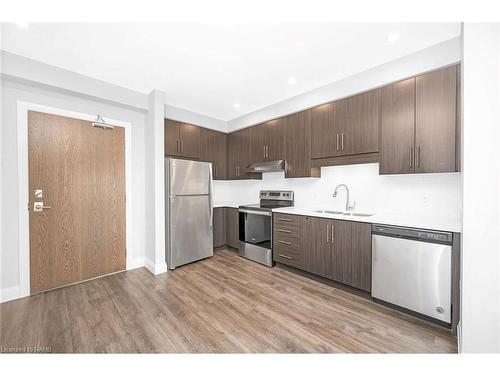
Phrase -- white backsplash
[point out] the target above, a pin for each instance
(437, 194)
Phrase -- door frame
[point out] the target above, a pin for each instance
(23, 184)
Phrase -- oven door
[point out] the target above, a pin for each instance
(255, 227)
(256, 235)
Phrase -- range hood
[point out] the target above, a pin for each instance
(267, 166)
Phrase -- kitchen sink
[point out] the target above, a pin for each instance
(359, 214)
(329, 212)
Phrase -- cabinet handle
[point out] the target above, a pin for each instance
(215, 169)
(327, 232)
(337, 141)
(410, 156)
(418, 158)
(285, 242)
(284, 231)
(267, 151)
(282, 219)
(284, 256)
(342, 141)
(333, 233)
(177, 146)
(182, 146)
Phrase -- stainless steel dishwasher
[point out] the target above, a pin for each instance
(411, 268)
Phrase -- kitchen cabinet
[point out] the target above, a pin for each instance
(435, 121)
(240, 155)
(232, 227)
(297, 138)
(288, 245)
(268, 141)
(182, 140)
(219, 226)
(397, 128)
(419, 124)
(339, 250)
(213, 148)
(346, 127)
(324, 131)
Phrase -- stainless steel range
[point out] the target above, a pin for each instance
(256, 225)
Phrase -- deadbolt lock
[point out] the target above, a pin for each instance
(39, 207)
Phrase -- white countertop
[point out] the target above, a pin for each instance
(405, 220)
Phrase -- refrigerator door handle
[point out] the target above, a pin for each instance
(210, 196)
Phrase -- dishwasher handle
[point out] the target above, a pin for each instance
(445, 238)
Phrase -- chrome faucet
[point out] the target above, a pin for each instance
(347, 206)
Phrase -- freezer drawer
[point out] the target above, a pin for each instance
(413, 274)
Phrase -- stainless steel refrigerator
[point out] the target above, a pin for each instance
(189, 211)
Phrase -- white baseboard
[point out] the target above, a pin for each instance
(157, 268)
(9, 294)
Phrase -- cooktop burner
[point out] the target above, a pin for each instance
(271, 199)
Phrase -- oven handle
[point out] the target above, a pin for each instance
(263, 213)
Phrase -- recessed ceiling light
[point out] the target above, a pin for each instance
(22, 25)
(292, 81)
(392, 37)
(236, 105)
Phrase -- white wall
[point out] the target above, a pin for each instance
(13, 91)
(431, 58)
(481, 189)
(418, 194)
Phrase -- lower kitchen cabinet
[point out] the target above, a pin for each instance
(219, 226)
(338, 250)
(232, 227)
(288, 244)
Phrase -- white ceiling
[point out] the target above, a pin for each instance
(206, 68)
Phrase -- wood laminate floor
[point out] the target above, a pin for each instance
(221, 304)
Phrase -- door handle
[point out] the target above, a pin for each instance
(342, 141)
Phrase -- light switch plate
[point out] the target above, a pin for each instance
(38, 193)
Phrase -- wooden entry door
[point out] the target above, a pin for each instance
(80, 170)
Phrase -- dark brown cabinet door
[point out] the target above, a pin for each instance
(240, 155)
(268, 140)
(232, 225)
(297, 138)
(339, 259)
(213, 148)
(352, 259)
(275, 149)
(397, 128)
(317, 237)
(219, 226)
(361, 134)
(189, 141)
(435, 121)
(324, 131)
(171, 134)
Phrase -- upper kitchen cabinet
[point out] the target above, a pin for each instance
(435, 121)
(239, 155)
(267, 140)
(324, 131)
(419, 124)
(397, 128)
(297, 138)
(213, 148)
(182, 140)
(346, 127)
